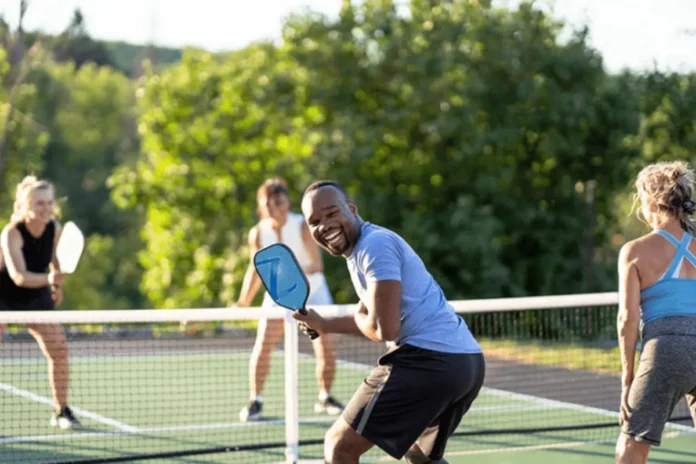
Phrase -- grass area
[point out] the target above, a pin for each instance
(558, 354)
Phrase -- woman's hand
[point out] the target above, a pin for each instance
(56, 278)
(57, 294)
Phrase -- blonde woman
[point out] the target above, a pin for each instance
(657, 286)
(30, 279)
(278, 224)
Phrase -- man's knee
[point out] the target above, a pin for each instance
(335, 445)
(631, 451)
(343, 445)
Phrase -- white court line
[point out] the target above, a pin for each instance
(145, 431)
(507, 408)
(571, 406)
(81, 412)
(231, 425)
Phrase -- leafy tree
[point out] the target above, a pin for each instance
(75, 45)
(473, 131)
(22, 137)
(667, 132)
(212, 129)
(89, 111)
(73, 127)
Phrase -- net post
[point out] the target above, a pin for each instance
(291, 339)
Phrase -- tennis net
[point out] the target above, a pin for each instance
(145, 385)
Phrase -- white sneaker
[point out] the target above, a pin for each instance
(251, 412)
(65, 419)
(329, 406)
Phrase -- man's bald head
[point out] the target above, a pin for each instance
(327, 183)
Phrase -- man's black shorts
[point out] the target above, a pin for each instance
(415, 395)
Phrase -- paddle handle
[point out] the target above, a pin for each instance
(312, 334)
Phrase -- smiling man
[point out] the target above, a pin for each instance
(421, 388)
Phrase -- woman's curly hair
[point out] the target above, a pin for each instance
(668, 187)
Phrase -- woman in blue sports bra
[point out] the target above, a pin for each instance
(657, 287)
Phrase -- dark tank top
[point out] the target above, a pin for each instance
(38, 253)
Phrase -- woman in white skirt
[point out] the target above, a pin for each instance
(279, 224)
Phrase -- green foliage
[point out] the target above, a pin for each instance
(502, 154)
(667, 132)
(73, 123)
(26, 137)
(472, 131)
(90, 113)
(76, 46)
(107, 277)
(73, 126)
(668, 129)
(92, 132)
(212, 129)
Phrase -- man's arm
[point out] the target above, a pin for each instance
(343, 324)
(379, 312)
(347, 324)
(381, 264)
(382, 322)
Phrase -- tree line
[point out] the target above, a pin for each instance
(503, 154)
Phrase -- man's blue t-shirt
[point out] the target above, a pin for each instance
(427, 319)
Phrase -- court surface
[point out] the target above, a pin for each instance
(187, 396)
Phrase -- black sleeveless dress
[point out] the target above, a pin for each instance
(38, 253)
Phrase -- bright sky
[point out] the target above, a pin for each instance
(628, 33)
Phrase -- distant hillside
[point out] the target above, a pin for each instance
(128, 57)
(75, 44)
